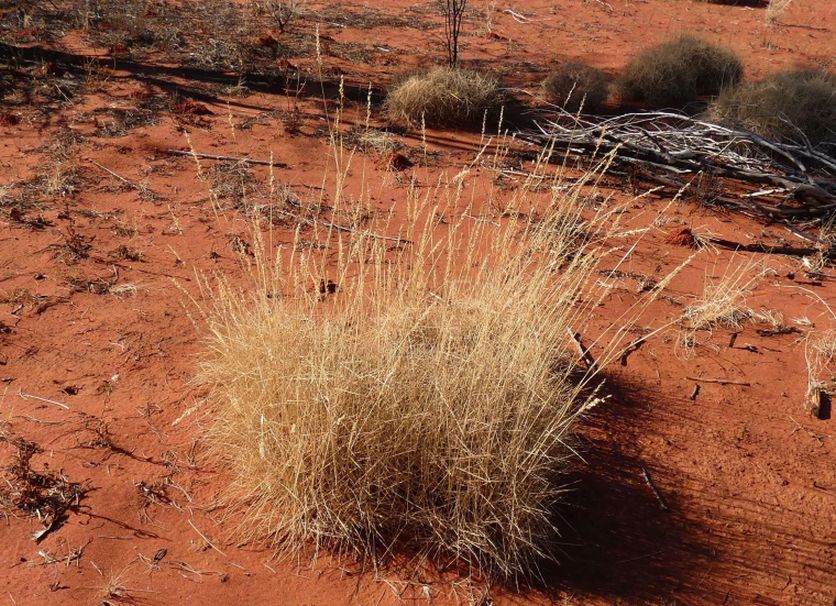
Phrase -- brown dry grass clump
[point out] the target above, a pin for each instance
(788, 105)
(444, 96)
(576, 85)
(675, 73)
(775, 9)
(820, 355)
(424, 399)
(723, 302)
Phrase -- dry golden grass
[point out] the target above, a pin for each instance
(823, 346)
(723, 302)
(675, 73)
(443, 96)
(789, 105)
(776, 9)
(820, 355)
(423, 399)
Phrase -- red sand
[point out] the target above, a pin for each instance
(747, 475)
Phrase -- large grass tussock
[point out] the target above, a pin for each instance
(424, 404)
(444, 96)
(576, 85)
(675, 73)
(791, 105)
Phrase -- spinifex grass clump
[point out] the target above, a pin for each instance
(790, 106)
(444, 95)
(426, 401)
(675, 73)
(576, 85)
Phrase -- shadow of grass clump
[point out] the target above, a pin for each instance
(620, 539)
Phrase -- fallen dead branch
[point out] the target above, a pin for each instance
(329, 225)
(193, 154)
(759, 247)
(518, 17)
(647, 480)
(719, 381)
(788, 182)
(28, 396)
(142, 189)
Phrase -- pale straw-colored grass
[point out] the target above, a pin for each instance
(443, 96)
(723, 302)
(428, 403)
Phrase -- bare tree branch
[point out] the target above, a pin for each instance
(453, 11)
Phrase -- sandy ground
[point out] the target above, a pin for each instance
(98, 351)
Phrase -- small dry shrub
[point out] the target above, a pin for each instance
(575, 85)
(675, 73)
(820, 355)
(127, 253)
(16, 296)
(788, 105)
(74, 246)
(230, 182)
(444, 96)
(283, 12)
(776, 9)
(46, 494)
(81, 282)
(372, 140)
(722, 303)
(419, 398)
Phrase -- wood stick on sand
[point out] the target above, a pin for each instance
(719, 381)
(29, 396)
(585, 355)
(655, 490)
(179, 152)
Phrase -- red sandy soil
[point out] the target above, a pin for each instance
(746, 474)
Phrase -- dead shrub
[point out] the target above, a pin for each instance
(73, 248)
(675, 73)
(444, 96)
(820, 354)
(791, 106)
(127, 253)
(576, 85)
(722, 304)
(775, 9)
(283, 12)
(50, 496)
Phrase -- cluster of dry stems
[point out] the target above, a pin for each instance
(426, 401)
